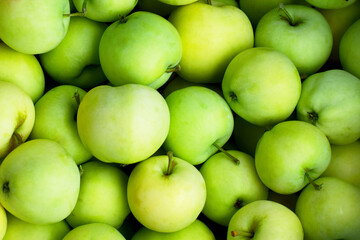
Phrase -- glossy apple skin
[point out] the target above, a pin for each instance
(331, 4)
(94, 231)
(331, 212)
(3, 222)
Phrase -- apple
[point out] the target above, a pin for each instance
(101, 231)
(178, 2)
(197, 228)
(33, 27)
(349, 49)
(211, 36)
(124, 124)
(264, 219)
(142, 48)
(345, 163)
(17, 117)
(76, 60)
(262, 86)
(102, 196)
(19, 229)
(200, 123)
(300, 32)
(40, 182)
(230, 185)
(3, 222)
(165, 193)
(331, 4)
(336, 116)
(331, 212)
(290, 155)
(55, 114)
(24, 70)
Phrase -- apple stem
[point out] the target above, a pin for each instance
(77, 98)
(15, 141)
(81, 170)
(236, 233)
(316, 186)
(173, 69)
(236, 161)
(78, 14)
(171, 163)
(287, 17)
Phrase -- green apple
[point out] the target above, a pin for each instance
(345, 163)
(200, 122)
(349, 49)
(265, 220)
(19, 229)
(24, 70)
(220, 3)
(142, 48)
(300, 32)
(331, 4)
(290, 155)
(105, 10)
(17, 117)
(211, 36)
(230, 185)
(94, 231)
(337, 116)
(178, 2)
(197, 228)
(331, 212)
(124, 124)
(262, 86)
(102, 196)
(75, 60)
(39, 182)
(33, 27)
(166, 193)
(3, 222)
(55, 114)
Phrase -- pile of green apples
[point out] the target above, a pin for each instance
(179, 119)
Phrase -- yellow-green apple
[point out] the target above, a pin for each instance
(55, 119)
(39, 182)
(337, 116)
(196, 229)
(331, 212)
(262, 86)
(102, 196)
(290, 155)
(265, 220)
(300, 32)
(331, 4)
(33, 27)
(142, 48)
(17, 117)
(24, 70)
(200, 123)
(345, 163)
(101, 231)
(166, 193)
(134, 120)
(19, 229)
(211, 36)
(105, 10)
(230, 185)
(349, 49)
(3, 222)
(75, 60)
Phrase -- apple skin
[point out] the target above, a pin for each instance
(134, 120)
(211, 36)
(331, 212)
(197, 228)
(331, 4)
(166, 202)
(140, 49)
(307, 41)
(191, 135)
(287, 152)
(101, 231)
(28, 176)
(24, 70)
(102, 196)
(19, 229)
(230, 186)
(266, 220)
(262, 86)
(76, 60)
(337, 116)
(55, 114)
(3, 222)
(34, 33)
(17, 117)
(349, 49)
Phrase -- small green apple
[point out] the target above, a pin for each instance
(3, 222)
(331, 4)
(94, 231)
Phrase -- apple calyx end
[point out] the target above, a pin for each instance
(236, 233)
(313, 117)
(236, 161)
(238, 204)
(316, 186)
(232, 96)
(171, 163)
(5, 187)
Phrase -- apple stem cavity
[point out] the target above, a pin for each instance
(287, 16)
(232, 96)
(238, 204)
(316, 186)
(6, 187)
(171, 163)
(173, 69)
(237, 233)
(236, 161)
(313, 116)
